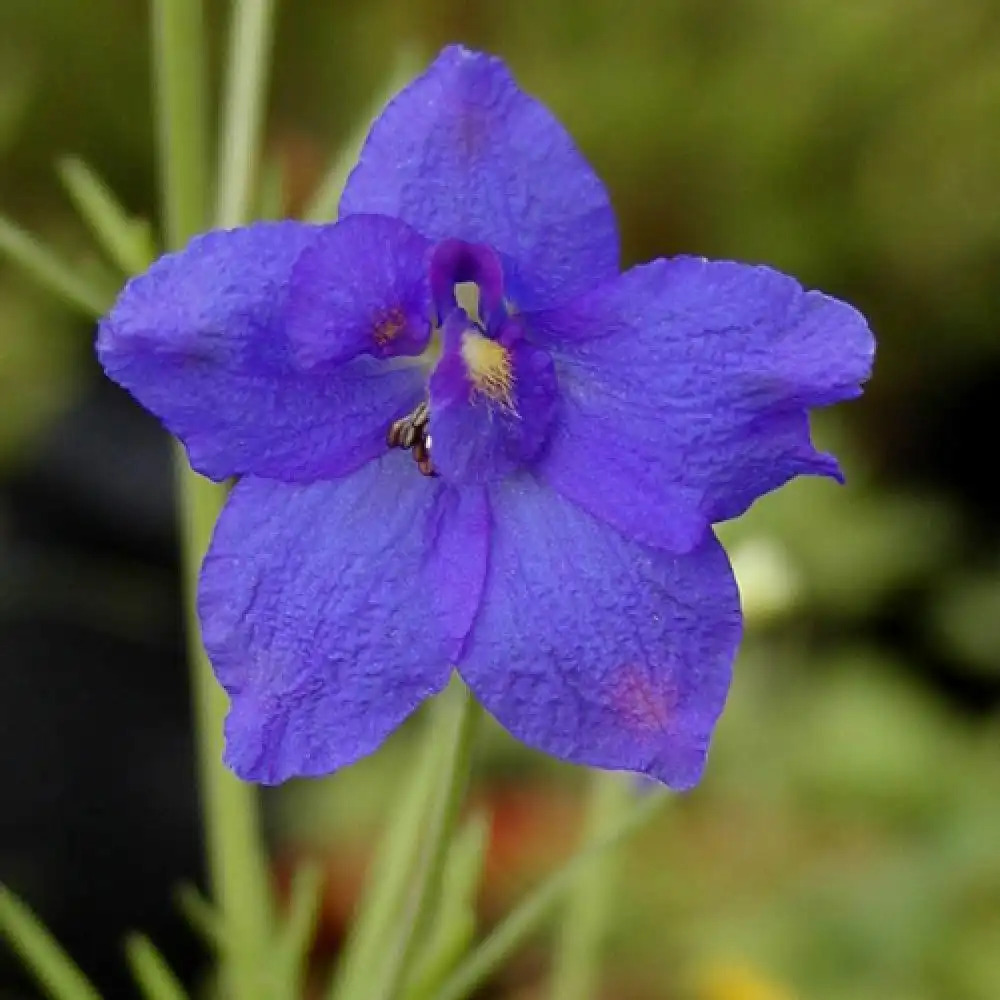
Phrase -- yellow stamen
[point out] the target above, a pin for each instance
(490, 369)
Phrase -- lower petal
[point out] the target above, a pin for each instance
(492, 406)
(597, 649)
(330, 611)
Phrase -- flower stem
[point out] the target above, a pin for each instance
(249, 59)
(180, 93)
(237, 859)
(236, 856)
(453, 727)
(577, 960)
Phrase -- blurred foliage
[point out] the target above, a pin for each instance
(843, 845)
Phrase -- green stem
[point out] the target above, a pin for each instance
(237, 859)
(524, 921)
(249, 62)
(577, 960)
(454, 728)
(180, 93)
(236, 856)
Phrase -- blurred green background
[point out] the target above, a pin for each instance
(845, 844)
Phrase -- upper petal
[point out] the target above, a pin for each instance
(331, 610)
(597, 649)
(463, 153)
(360, 287)
(203, 340)
(687, 386)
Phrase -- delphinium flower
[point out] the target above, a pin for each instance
(463, 440)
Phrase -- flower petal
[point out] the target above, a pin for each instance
(687, 386)
(463, 153)
(597, 649)
(330, 611)
(361, 286)
(201, 339)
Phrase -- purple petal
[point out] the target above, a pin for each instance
(463, 153)
(455, 262)
(360, 287)
(686, 388)
(201, 340)
(330, 611)
(597, 649)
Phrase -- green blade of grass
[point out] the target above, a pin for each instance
(201, 915)
(51, 273)
(126, 240)
(296, 931)
(455, 924)
(56, 973)
(155, 977)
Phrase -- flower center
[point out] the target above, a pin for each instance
(491, 393)
(467, 277)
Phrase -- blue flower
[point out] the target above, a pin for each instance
(465, 440)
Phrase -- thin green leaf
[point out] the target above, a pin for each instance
(589, 906)
(296, 932)
(45, 267)
(519, 925)
(386, 881)
(201, 915)
(125, 239)
(248, 65)
(155, 977)
(54, 970)
(455, 923)
(322, 207)
(181, 103)
(454, 728)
